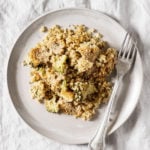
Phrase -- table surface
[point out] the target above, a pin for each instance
(16, 14)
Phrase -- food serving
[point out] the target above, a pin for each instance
(71, 70)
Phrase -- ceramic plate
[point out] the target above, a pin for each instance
(65, 128)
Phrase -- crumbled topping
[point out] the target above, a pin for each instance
(70, 70)
(43, 29)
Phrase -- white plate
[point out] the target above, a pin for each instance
(65, 128)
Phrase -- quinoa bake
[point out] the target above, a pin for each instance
(71, 69)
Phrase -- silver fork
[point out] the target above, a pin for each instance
(126, 58)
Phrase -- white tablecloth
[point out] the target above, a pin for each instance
(16, 14)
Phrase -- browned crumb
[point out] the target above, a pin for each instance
(70, 70)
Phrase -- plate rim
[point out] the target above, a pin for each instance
(12, 49)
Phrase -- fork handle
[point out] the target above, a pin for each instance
(98, 141)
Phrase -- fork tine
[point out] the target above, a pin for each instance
(128, 46)
(123, 45)
(132, 52)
